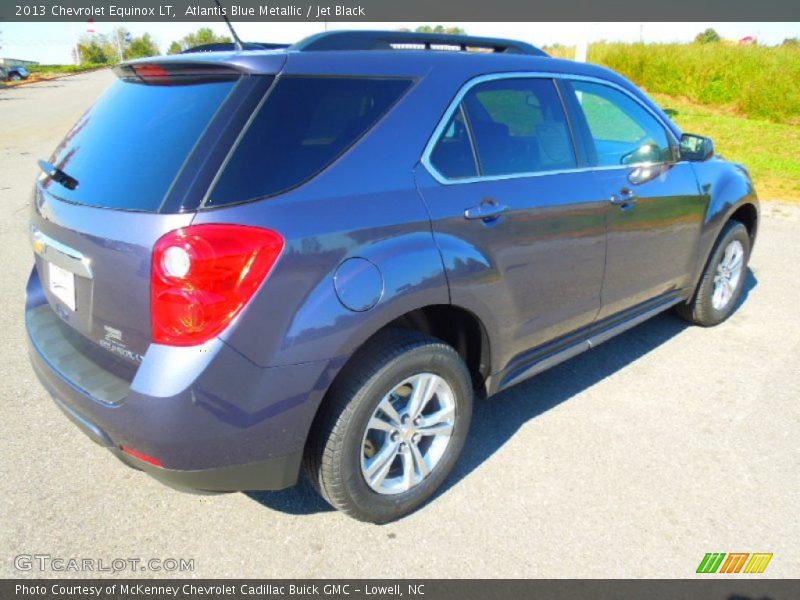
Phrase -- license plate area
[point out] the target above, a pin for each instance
(62, 284)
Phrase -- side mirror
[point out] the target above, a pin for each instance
(696, 147)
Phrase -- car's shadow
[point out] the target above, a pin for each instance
(495, 421)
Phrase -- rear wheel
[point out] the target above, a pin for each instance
(723, 279)
(392, 427)
(14, 77)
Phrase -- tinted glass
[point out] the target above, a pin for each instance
(127, 149)
(519, 126)
(453, 156)
(304, 125)
(623, 131)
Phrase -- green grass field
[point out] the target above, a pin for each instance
(746, 98)
(46, 72)
(754, 81)
(62, 69)
(771, 151)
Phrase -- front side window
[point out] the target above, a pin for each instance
(303, 126)
(623, 131)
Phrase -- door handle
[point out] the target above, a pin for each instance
(625, 196)
(486, 212)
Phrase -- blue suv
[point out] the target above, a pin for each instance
(252, 261)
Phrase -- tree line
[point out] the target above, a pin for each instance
(710, 36)
(119, 45)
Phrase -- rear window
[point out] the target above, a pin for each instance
(128, 148)
(304, 125)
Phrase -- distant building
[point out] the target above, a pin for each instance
(747, 41)
(16, 62)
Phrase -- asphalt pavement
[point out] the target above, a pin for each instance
(632, 460)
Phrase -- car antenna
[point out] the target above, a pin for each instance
(237, 43)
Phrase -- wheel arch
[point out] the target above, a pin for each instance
(747, 214)
(744, 211)
(454, 325)
(731, 195)
(457, 327)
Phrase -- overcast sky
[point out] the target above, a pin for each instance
(51, 43)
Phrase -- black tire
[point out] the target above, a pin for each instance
(701, 310)
(336, 443)
(14, 77)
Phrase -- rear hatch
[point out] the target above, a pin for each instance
(134, 167)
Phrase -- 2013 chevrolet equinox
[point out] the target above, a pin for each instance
(246, 261)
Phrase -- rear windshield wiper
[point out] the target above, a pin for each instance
(58, 175)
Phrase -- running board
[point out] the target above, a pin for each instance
(594, 336)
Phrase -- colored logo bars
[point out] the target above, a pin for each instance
(713, 562)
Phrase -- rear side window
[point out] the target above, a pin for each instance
(519, 126)
(126, 151)
(304, 124)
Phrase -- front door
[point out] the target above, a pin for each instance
(655, 210)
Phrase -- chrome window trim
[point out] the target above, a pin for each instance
(465, 89)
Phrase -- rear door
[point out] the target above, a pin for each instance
(104, 199)
(655, 210)
(520, 225)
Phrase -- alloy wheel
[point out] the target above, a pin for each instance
(728, 274)
(408, 433)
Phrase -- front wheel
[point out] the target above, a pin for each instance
(723, 279)
(392, 427)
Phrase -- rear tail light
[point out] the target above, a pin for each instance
(203, 275)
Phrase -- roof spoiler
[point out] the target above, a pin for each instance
(230, 46)
(390, 40)
(175, 73)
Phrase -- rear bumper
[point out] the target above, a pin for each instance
(212, 418)
(270, 474)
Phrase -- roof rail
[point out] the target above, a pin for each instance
(230, 46)
(389, 40)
